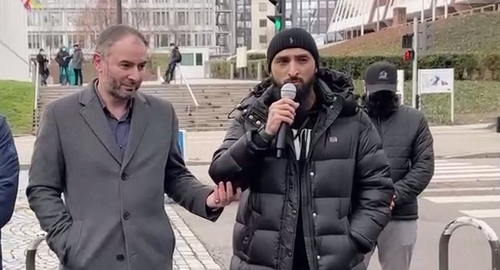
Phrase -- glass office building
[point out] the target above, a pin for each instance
(312, 15)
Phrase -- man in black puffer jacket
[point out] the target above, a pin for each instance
(325, 202)
(408, 144)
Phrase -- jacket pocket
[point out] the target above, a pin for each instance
(248, 233)
(72, 243)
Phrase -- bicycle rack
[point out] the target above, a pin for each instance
(32, 248)
(463, 222)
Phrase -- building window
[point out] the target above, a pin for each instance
(34, 41)
(263, 23)
(161, 40)
(33, 19)
(140, 19)
(263, 7)
(160, 18)
(52, 19)
(182, 18)
(263, 39)
(187, 59)
(199, 59)
(198, 18)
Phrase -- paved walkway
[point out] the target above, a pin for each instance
(23, 227)
(449, 142)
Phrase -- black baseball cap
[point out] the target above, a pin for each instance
(381, 76)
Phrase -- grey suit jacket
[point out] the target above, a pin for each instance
(112, 216)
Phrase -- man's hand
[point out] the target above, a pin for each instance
(223, 196)
(393, 201)
(280, 111)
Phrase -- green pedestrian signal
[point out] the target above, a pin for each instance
(279, 17)
(278, 24)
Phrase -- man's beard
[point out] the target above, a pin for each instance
(120, 94)
(304, 90)
(303, 97)
(381, 104)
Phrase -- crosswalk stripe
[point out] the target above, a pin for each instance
(452, 164)
(463, 176)
(441, 161)
(464, 199)
(454, 173)
(459, 179)
(437, 190)
(467, 170)
(482, 213)
(477, 167)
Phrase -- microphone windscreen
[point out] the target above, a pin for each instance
(288, 90)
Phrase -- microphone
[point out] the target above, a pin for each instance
(287, 91)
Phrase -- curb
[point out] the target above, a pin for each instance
(26, 166)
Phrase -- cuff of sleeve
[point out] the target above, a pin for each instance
(364, 245)
(204, 210)
(261, 139)
(398, 199)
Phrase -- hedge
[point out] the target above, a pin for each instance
(16, 104)
(477, 93)
(467, 66)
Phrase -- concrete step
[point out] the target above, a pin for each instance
(215, 103)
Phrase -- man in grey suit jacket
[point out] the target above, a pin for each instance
(113, 152)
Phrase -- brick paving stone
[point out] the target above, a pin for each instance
(190, 254)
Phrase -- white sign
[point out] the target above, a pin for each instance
(401, 85)
(436, 80)
(241, 57)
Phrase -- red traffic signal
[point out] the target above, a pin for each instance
(409, 55)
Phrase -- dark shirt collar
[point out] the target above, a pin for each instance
(103, 104)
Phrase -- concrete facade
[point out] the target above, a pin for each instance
(13, 42)
(371, 15)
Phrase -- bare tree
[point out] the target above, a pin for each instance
(96, 17)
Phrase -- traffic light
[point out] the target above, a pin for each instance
(409, 55)
(279, 17)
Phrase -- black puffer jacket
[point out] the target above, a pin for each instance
(408, 144)
(346, 175)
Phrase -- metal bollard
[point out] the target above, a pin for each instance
(462, 222)
(32, 248)
(498, 125)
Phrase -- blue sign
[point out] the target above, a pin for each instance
(182, 143)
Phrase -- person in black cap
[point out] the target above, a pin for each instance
(408, 144)
(322, 204)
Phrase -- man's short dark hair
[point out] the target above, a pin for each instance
(115, 33)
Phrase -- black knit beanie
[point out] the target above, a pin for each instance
(292, 38)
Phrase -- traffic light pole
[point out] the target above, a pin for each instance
(279, 17)
(415, 95)
(294, 14)
(119, 12)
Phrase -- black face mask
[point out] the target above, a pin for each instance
(302, 97)
(381, 104)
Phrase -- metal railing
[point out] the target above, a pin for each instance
(484, 9)
(32, 248)
(188, 86)
(444, 241)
